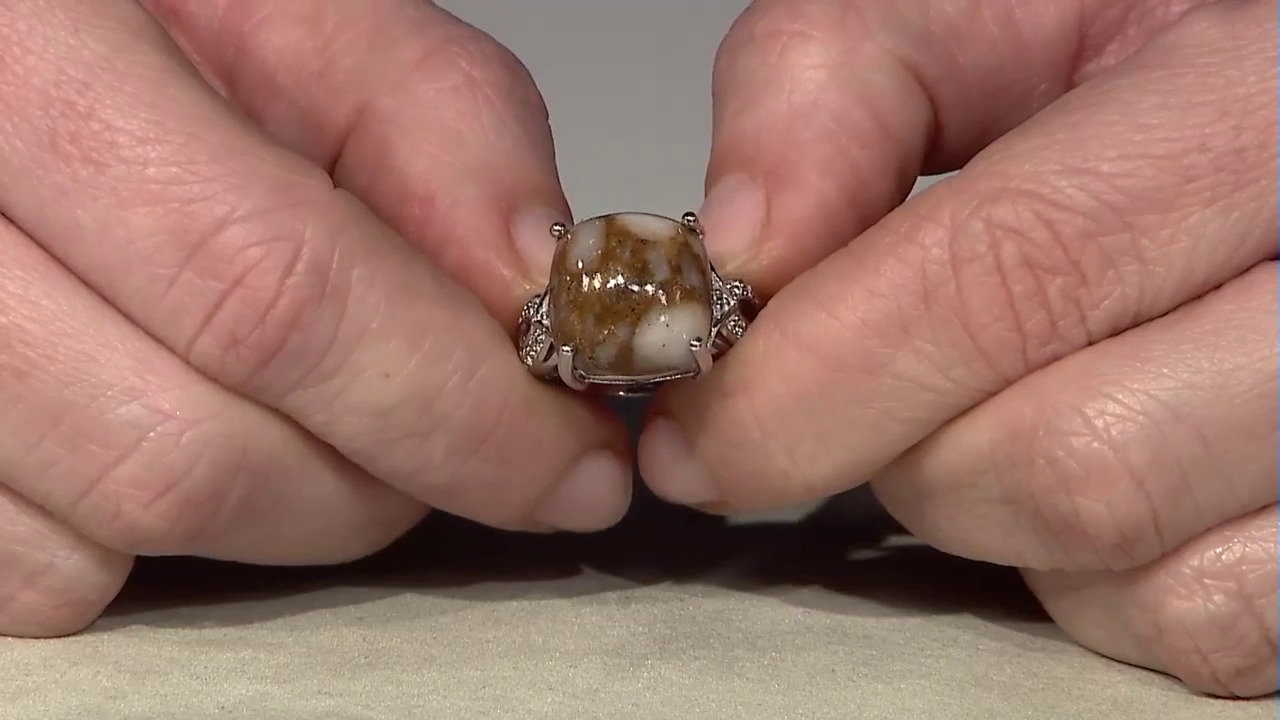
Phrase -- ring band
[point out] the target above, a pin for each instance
(632, 303)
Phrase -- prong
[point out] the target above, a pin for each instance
(559, 231)
(569, 374)
(702, 353)
(548, 363)
(691, 221)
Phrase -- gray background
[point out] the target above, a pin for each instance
(628, 84)
(671, 615)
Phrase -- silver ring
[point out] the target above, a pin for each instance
(632, 303)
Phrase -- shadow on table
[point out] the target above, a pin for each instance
(849, 547)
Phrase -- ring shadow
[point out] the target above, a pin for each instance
(848, 547)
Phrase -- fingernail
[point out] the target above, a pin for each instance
(733, 217)
(531, 235)
(593, 495)
(669, 468)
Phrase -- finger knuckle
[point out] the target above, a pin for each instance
(59, 595)
(1087, 497)
(170, 490)
(1215, 619)
(272, 298)
(469, 64)
(1028, 278)
(796, 35)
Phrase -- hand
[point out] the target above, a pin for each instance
(1061, 359)
(207, 349)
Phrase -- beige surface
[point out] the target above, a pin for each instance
(667, 617)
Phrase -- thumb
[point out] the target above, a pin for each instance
(827, 112)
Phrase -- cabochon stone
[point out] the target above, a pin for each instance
(629, 292)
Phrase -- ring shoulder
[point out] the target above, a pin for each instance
(536, 346)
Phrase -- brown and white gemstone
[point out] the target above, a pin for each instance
(629, 293)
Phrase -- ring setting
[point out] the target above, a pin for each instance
(633, 302)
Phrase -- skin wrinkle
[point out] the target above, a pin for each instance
(123, 404)
(157, 519)
(1137, 172)
(1056, 219)
(65, 558)
(783, 458)
(454, 380)
(495, 433)
(487, 72)
(474, 386)
(762, 29)
(185, 262)
(1115, 438)
(212, 251)
(1230, 559)
(164, 516)
(1110, 539)
(937, 477)
(1186, 482)
(1196, 586)
(77, 504)
(293, 274)
(28, 591)
(114, 152)
(238, 322)
(934, 128)
(231, 458)
(473, 263)
(1012, 260)
(1051, 501)
(1108, 274)
(1109, 39)
(119, 144)
(1199, 654)
(316, 285)
(966, 304)
(1044, 523)
(259, 254)
(1256, 601)
(1161, 600)
(477, 71)
(940, 147)
(818, 357)
(930, 237)
(43, 438)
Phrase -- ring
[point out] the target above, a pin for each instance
(632, 303)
